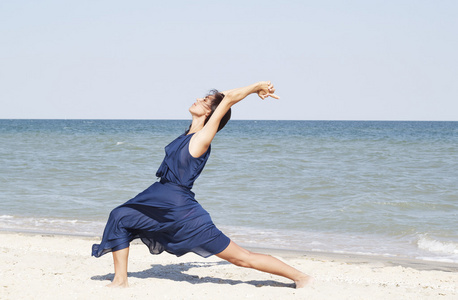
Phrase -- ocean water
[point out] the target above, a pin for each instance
(375, 188)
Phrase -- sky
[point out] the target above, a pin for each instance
(329, 59)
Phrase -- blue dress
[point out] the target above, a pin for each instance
(165, 216)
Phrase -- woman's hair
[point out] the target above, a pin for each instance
(216, 97)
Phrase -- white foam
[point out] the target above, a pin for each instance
(5, 217)
(438, 247)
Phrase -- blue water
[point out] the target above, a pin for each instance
(378, 188)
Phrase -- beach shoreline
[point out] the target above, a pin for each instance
(57, 265)
(419, 264)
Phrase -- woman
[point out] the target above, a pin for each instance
(166, 217)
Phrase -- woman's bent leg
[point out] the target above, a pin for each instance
(262, 262)
(120, 258)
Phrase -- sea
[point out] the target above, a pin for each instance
(356, 187)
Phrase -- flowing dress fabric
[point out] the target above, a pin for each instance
(165, 216)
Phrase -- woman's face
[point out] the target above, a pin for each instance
(201, 107)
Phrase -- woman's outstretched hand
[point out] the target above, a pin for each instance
(267, 89)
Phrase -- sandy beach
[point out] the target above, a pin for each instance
(40, 266)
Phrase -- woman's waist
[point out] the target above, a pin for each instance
(165, 194)
(164, 180)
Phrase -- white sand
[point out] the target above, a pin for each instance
(60, 267)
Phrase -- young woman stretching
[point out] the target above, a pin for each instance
(166, 217)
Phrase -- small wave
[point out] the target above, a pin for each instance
(6, 217)
(50, 225)
(119, 143)
(437, 247)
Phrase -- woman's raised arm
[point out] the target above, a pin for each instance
(264, 89)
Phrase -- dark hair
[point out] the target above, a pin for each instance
(216, 97)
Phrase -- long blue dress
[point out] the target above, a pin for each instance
(165, 216)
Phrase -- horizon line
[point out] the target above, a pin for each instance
(294, 120)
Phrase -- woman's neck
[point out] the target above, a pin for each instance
(196, 125)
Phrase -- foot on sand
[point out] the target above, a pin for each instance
(304, 281)
(118, 283)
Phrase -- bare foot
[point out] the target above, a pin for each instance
(118, 283)
(304, 281)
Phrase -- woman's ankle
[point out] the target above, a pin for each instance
(303, 280)
(119, 281)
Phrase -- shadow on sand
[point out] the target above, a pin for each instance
(176, 272)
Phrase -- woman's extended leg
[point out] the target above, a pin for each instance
(262, 262)
(120, 258)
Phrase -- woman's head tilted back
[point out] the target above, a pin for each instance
(207, 106)
(216, 98)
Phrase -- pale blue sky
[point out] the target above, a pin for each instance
(329, 60)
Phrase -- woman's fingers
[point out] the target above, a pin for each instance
(264, 96)
(268, 91)
(274, 96)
